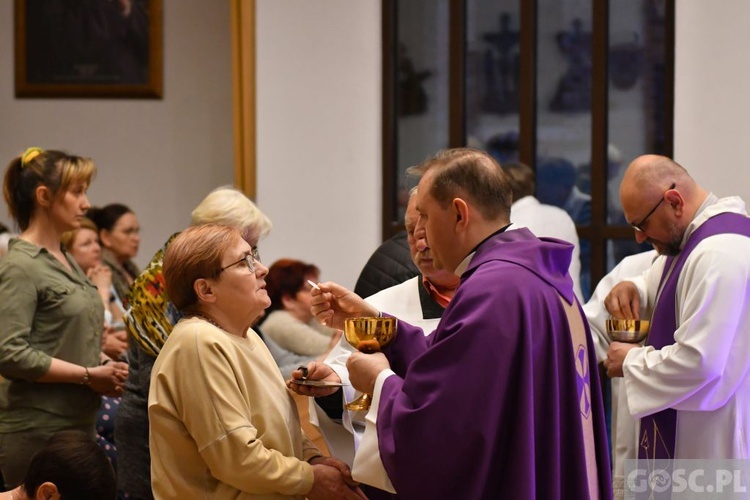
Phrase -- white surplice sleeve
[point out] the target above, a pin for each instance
(705, 365)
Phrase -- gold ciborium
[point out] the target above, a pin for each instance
(631, 331)
(368, 335)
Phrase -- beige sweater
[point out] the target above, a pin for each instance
(222, 424)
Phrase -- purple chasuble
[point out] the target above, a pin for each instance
(490, 405)
(657, 437)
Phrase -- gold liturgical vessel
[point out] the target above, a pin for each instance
(631, 331)
(368, 335)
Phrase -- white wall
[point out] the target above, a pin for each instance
(160, 157)
(712, 108)
(319, 157)
(319, 140)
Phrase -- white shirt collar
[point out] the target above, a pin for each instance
(710, 207)
(461, 268)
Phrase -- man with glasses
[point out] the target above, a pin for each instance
(690, 383)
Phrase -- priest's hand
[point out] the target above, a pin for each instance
(364, 369)
(332, 304)
(616, 356)
(314, 371)
(623, 301)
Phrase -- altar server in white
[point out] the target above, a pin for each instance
(542, 219)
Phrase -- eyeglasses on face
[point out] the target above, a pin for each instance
(639, 226)
(249, 259)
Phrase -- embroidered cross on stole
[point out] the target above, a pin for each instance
(579, 341)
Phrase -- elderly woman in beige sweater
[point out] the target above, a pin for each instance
(222, 424)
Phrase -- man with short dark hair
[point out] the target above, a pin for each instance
(542, 219)
(502, 400)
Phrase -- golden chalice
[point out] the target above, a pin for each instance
(631, 331)
(368, 335)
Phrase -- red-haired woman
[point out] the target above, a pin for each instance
(289, 322)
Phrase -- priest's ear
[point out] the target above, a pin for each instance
(675, 200)
(461, 210)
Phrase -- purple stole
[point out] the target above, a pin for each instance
(657, 436)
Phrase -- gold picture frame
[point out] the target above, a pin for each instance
(89, 48)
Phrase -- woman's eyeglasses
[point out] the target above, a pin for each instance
(249, 259)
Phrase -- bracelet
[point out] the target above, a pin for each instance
(86, 377)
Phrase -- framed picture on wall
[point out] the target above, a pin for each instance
(88, 48)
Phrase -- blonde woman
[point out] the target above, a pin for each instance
(51, 315)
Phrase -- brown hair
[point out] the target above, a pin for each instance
(56, 170)
(286, 277)
(471, 174)
(195, 253)
(74, 463)
(106, 217)
(68, 237)
(521, 179)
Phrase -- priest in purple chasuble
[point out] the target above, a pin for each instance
(503, 399)
(690, 383)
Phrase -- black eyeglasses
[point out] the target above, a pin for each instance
(249, 259)
(639, 227)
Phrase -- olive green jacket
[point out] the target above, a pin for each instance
(46, 311)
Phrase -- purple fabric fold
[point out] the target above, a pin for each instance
(489, 405)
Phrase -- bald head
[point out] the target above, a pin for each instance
(651, 175)
(659, 182)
